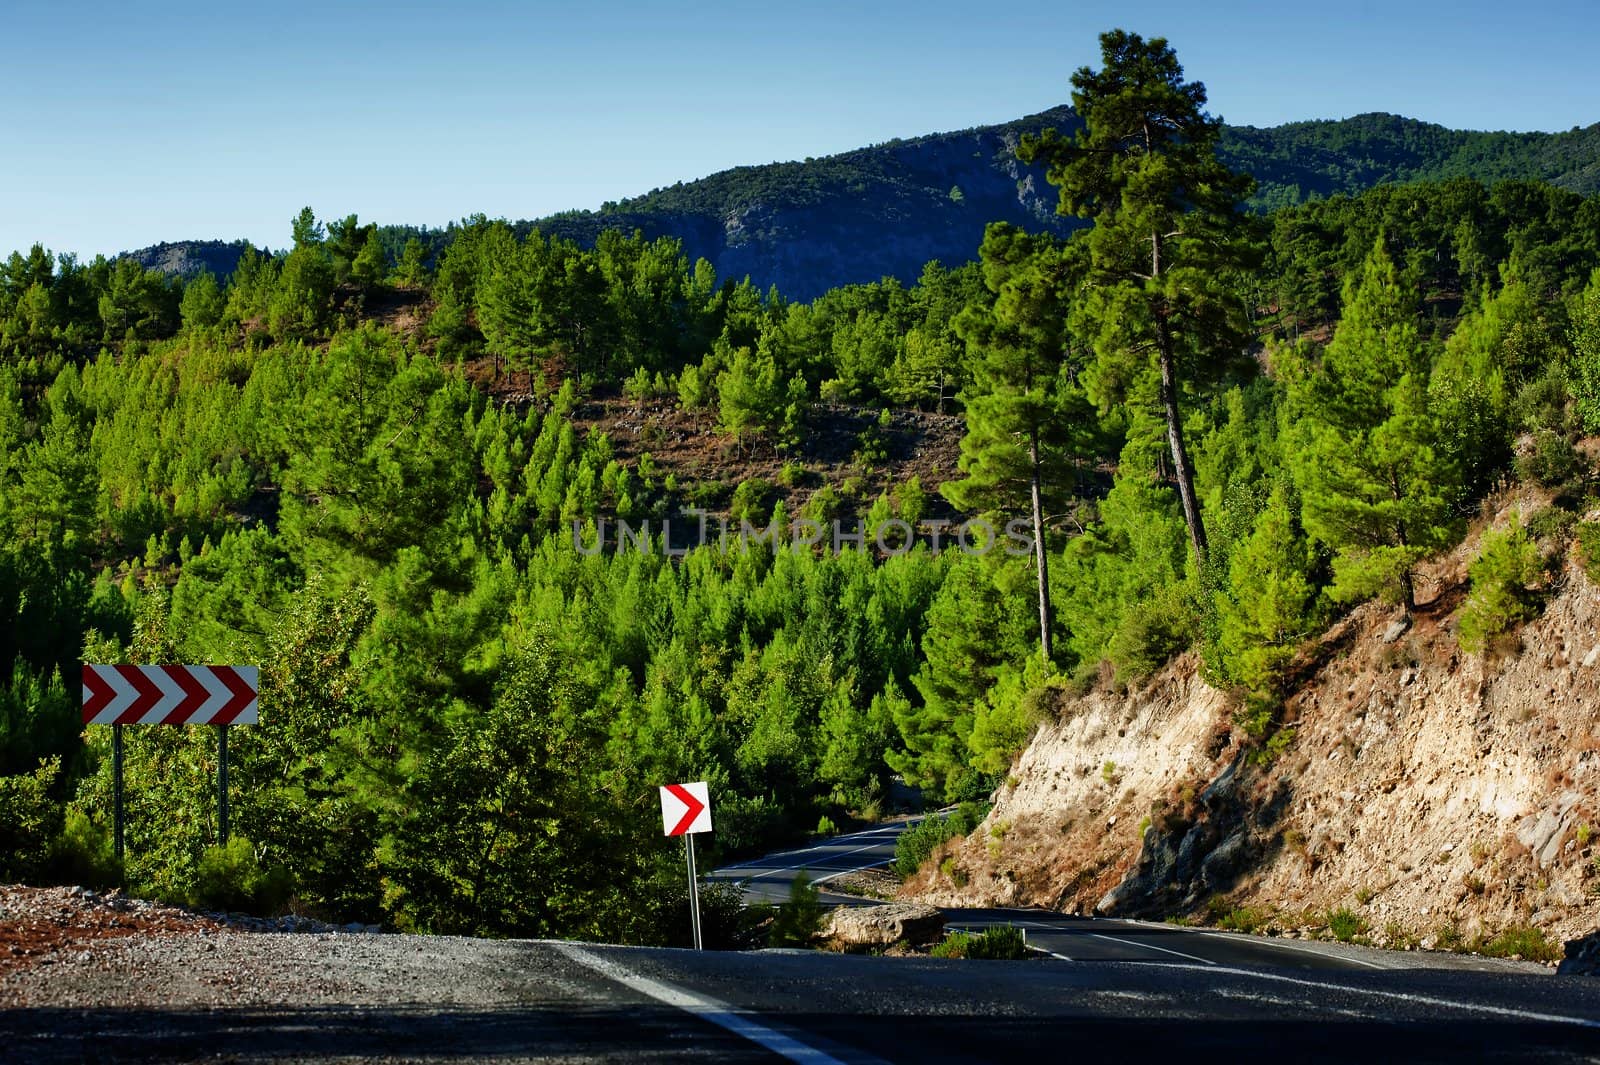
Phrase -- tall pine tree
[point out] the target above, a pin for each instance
(1375, 485)
(1168, 230)
(1024, 412)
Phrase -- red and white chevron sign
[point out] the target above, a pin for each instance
(169, 695)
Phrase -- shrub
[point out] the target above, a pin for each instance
(1151, 633)
(1245, 919)
(1552, 462)
(84, 854)
(1269, 751)
(916, 844)
(28, 819)
(726, 923)
(826, 827)
(1589, 548)
(751, 502)
(823, 506)
(798, 921)
(1552, 523)
(1345, 924)
(232, 878)
(1523, 941)
(638, 386)
(1000, 943)
(1503, 579)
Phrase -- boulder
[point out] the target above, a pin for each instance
(1395, 630)
(1582, 957)
(866, 927)
(1223, 864)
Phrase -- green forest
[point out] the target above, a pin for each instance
(1224, 428)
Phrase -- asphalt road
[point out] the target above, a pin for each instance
(1130, 992)
(1070, 938)
(397, 998)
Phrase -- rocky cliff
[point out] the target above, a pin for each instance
(875, 212)
(1430, 793)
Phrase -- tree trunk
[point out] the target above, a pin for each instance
(1040, 556)
(1182, 471)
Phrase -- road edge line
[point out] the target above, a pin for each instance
(1400, 996)
(706, 1008)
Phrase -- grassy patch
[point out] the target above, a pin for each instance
(1346, 924)
(1519, 941)
(1001, 943)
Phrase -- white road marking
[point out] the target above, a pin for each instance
(824, 847)
(717, 1012)
(1152, 946)
(1302, 948)
(857, 869)
(833, 872)
(1401, 996)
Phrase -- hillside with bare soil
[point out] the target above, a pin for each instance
(1424, 795)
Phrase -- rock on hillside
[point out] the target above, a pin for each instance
(185, 258)
(1428, 791)
(875, 212)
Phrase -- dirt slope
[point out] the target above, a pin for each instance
(1430, 792)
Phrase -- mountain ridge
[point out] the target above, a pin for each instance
(887, 209)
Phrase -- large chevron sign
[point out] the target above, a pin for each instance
(169, 695)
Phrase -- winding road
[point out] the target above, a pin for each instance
(1066, 937)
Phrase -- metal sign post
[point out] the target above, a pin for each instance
(222, 784)
(116, 786)
(685, 811)
(694, 895)
(120, 695)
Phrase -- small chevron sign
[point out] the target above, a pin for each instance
(169, 695)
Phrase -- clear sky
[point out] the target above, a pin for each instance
(124, 124)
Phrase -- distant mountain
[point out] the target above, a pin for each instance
(888, 209)
(1303, 160)
(885, 210)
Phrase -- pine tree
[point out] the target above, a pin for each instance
(1585, 338)
(1268, 605)
(1023, 412)
(1168, 230)
(1374, 484)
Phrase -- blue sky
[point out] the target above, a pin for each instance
(125, 124)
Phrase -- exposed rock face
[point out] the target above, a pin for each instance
(875, 212)
(866, 927)
(1582, 957)
(1424, 789)
(185, 258)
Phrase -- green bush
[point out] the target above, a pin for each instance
(1345, 924)
(1552, 523)
(232, 878)
(751, 502)
(798, 921)
(726, 922)
(916, 843)
(84, 853)
(1000, 943)
(29, 816)
(1503, 586)
(1245, 919)
(1552, 462)
(1150, 634)
(1589, 548)
(1525, 942)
